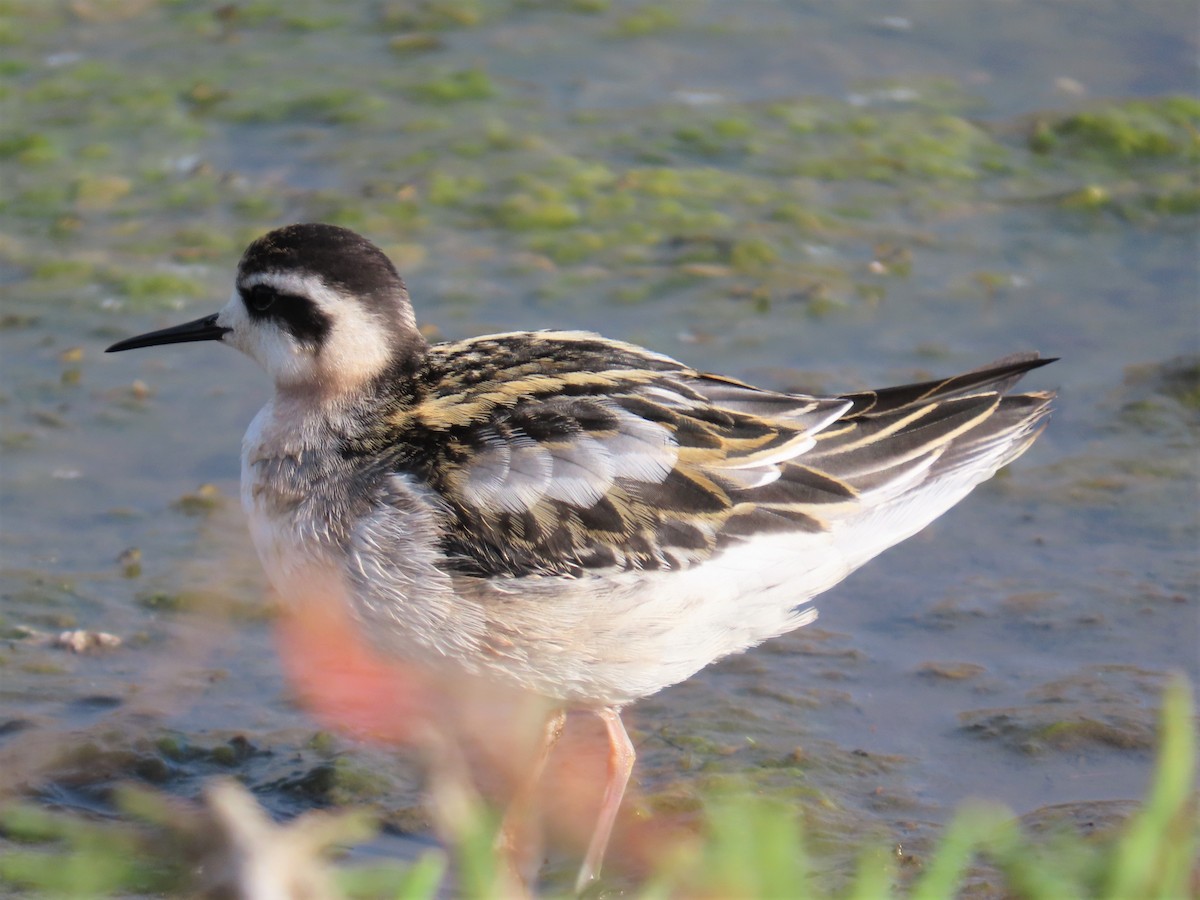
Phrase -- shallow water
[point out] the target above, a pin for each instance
(1014, 650)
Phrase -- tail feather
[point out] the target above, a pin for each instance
(998, 376)
(873, 478)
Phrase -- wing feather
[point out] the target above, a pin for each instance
(560, 453)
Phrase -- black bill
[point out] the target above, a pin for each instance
(205, 329)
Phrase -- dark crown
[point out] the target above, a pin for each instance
(341, 258)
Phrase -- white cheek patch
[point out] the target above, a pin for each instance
(358, 347)
(266, 343)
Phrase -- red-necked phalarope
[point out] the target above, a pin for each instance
(571, 515)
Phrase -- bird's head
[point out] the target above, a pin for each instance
(320, 307)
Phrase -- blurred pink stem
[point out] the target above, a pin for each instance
(620, 765)
(520, 833)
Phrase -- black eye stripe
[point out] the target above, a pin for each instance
(304, 321)
(297, 315)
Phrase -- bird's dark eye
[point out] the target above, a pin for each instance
(260, 298)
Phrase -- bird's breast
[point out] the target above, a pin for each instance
(296, 501)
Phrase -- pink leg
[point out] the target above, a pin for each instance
(520, 832)
(620, 765)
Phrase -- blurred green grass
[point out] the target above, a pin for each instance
(751, 846)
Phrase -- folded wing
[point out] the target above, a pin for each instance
(615, 457)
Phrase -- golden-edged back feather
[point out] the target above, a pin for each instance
(562, 453)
